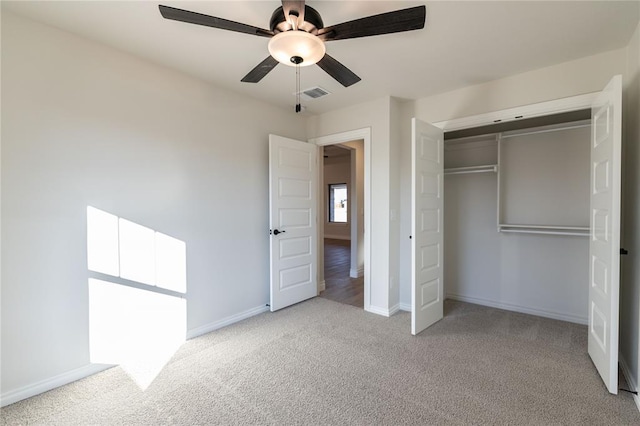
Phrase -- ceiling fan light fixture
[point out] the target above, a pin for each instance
(287, 45)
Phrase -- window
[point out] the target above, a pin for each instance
(338, 203)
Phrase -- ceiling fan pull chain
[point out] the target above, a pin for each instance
(298, 106)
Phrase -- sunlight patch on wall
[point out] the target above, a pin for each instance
(137, 253)
(122, 248)
(136, 329)
(133, 322)
(102, 242)
(171, 263)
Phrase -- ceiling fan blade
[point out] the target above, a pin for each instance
(397, 21)
(335, 69)
(211, 21)
(294, 6)
(262, 69)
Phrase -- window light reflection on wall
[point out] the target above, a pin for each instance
(136, 295)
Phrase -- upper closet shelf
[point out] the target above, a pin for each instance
(472, 169)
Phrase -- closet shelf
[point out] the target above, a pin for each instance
(473, 169)
(578, 231)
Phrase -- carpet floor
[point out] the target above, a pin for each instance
(321, 362)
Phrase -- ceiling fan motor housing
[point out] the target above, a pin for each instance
(312, 21)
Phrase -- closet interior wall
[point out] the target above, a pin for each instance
(516, 218)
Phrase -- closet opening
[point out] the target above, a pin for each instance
(516, 215)
(532, 219)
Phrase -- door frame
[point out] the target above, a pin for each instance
(363, 134)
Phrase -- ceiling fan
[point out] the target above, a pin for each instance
(298, 35)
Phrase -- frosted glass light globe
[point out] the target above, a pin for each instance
(286, 45)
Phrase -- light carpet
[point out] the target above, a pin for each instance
(321, 362)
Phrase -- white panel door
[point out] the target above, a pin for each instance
(426, 225)
(604, 246)
(292, 221)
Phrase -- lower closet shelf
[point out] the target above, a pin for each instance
(578, 231)
(472, 169)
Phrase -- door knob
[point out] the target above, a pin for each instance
(276, 232)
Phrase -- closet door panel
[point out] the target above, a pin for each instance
(427, 195)
(604, 241)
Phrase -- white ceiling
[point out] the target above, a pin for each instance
(463, 43)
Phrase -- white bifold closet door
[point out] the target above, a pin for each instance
(604, 244)
(427, 204)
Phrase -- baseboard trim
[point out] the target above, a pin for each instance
(88, 370)
(322, 286)
(631, 381)
(51, 383)
(521, 309)
(356, 273)
(378, 311)
(207, 328)
(383, 311)
(405, 307)
(394, 309)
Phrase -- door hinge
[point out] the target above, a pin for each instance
(624, 251)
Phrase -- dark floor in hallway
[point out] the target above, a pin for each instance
(339, 287)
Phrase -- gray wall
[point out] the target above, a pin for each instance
(87, 125)
(538, 274)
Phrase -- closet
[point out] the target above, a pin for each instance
(516, 216)
(523, 215)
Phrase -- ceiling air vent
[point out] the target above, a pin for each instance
(313, 93)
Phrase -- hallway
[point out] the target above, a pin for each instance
(339, 287)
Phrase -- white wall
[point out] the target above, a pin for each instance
(572, 78)
(357, 207)
(337, 170)
(395, 142)
(87, 125)
(376, 116)
(406, 113)
(630, 271)
(567, 79)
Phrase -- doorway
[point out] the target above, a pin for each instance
(343, 271)
(355, 252)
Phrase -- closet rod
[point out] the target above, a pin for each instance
(535, 132)
(527, 231)
(473, 169)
